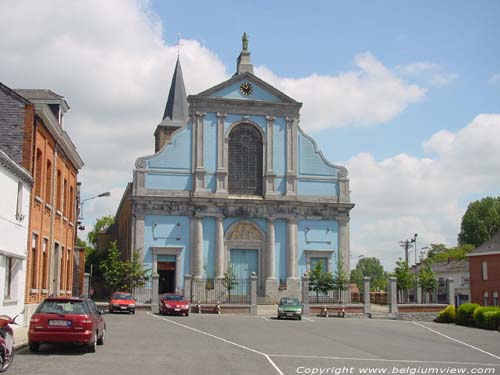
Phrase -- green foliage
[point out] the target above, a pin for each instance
(101, 225)
(371, 268)
(135, 271)
(480, 221)
(113, 269)
(426, 279)
(229, 280)
(404, 276)
(319, 280)
(447, 315)
(439, 253)
(487, 317)
(464, 314)
(341, 279)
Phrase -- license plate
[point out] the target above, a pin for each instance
(177, 309)
(59, 323)
(124, 307)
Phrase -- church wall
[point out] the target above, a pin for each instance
(231, 220)
(280, 249)
(210, 142)
(231, 119)
(172, 231)
(233, 92)
(321, 188)
(208, 246)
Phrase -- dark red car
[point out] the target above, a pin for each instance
(67, 320)
(174, 304)
(122, 302)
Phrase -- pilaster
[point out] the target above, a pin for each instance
(221, 173)
(197, 260)
(292, 250)
(271, 250)
(270, 175)
(291, 156)
(219, 247)
(199, 169)
(344, 243)
(139, 236)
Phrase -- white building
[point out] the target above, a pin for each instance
(15, 187)
(458, 270)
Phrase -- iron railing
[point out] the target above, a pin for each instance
(214, 291)
(143, 293)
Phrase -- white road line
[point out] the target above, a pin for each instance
(263, 317)
(384, 360)
(223, 340)
(460, 342)
(309, 320)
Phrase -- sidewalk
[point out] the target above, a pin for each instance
(20, 337)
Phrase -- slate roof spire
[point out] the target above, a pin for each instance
(176, 109)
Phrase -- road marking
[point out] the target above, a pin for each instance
(383, 360)
(223, 340)
(309, 320)
(460, 342)
(265, 318)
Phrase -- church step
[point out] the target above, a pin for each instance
(267, 309)
(383, 316)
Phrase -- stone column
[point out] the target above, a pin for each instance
(419, 292)
(221, 161)
(271, 281)
(219, 247)
(305, 294)
(292, 249)
(450, 291)
(154, 294)
(197, 247)
(270, 175)
(139, 237)
(187, 287)
(366, 295)
(344, 249)
(393, 296)
(199, 169)
(291, 156)
(253, 294)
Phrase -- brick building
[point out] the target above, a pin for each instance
(32, 134)
(485, 272)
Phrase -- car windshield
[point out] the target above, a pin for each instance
(126, 296)
(62, 307)
(289, 301)
(173, 298)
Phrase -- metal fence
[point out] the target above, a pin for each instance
(143, 293)
(214, 291)
(330, 297)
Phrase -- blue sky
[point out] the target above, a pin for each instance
(406, 95)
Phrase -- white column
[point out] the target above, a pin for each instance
(139, 237)
(271, 274)
(199, 169)
(291, 155)
(344, 249)
(198, 247)
(221, 162)
(292, 249)
(219, 247)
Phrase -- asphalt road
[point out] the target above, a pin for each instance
(211, 344)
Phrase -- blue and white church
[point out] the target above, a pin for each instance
(235, 181)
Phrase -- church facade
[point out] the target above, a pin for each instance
(235, 182)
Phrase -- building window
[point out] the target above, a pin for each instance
(485, 299)
(63, 266)
(34, 263)
(323, 261)
(38, 173)
(484, 270)
(45, 264)
(65, 198)
(71, 204)
(19, 206)
(495, 299)
(58, 191)
(48, 182)
(68, 270)
(7, 293)
(245, 161)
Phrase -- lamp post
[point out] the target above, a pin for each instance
(80, 207)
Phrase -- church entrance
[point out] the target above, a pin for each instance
(166, 272)
(243, 263)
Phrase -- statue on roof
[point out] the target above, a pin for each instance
(244, 39)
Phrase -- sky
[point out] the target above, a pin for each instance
(405, 95)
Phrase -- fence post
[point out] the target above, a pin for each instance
(86, 285)
(393, 291)
(187, 287)
(450, 291)
(419, 292)
(366, 295)
(253, 294)
(154, 294)
(305, 294)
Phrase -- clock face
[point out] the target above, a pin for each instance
(246, 88)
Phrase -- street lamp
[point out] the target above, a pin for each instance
(80, 207)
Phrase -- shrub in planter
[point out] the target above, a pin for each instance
(447, 315)
(464, 314)
(487, 317)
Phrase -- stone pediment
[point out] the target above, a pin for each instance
(245, 232)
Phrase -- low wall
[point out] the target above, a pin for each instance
(425, 312)
(334, 309)
(225, 309)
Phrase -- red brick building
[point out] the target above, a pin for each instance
(485, 272)
(32, 132)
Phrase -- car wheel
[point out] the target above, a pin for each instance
(100, 340)
(187, 314)
(279, 316)
(133, 312)
(91, 347)
(34, 347)
(299, 317)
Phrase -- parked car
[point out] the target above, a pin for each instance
(171, 303)
(123, 302)
(289, 308)
(67, 320)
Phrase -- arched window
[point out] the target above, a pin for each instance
(245, 161)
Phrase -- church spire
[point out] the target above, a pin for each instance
(176, 109)
(243, 63)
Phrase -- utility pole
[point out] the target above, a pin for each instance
(405, 245)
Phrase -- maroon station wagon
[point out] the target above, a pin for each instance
(67, 320)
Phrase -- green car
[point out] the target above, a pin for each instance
(289, 308)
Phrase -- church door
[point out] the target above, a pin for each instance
(243, 263)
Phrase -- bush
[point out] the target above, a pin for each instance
(464, 314)
(487, 317)
(447, 315)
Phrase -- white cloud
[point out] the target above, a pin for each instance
(431, 73)
(495, 78)
(370, 95)
(403, 195)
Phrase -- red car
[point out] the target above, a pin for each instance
(67, 320)
(174, 304)
(122, 301)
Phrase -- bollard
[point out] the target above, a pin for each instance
(199, 307)
(217, 308)
(325, 311)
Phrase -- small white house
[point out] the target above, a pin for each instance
(15, 187)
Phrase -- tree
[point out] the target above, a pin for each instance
(135, 271)
(229, 281)
(341, 279)
(439, 253)
(113, 270)
(320, 281)
(372, 268)
(100, 226)
(404, 276)
(426, 280)
(480, 221)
